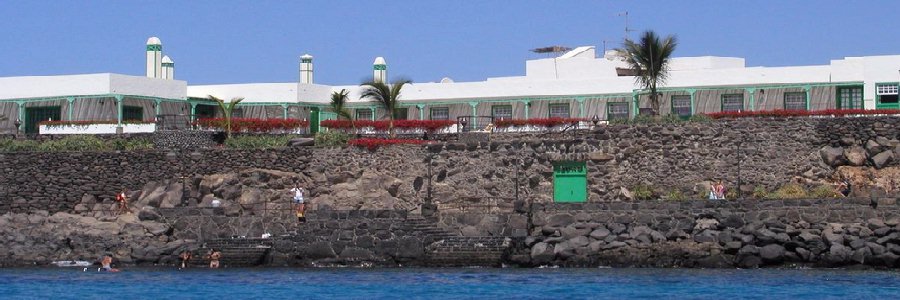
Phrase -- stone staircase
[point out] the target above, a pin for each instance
(444, 249)
(238, 252)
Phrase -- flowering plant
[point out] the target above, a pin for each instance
(545, 122)
(373, 144)
(253, 125)
(802, 113)
(93, 122)
(426, 125)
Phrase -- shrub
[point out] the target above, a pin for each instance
(642, 192)
(701, 118)
(823, 191)
(789, 191)
(331, 138)
(545, 122)
(429, 126)
(75, 143)
(253, 125)
(760, 192)
(11, 145)
(802, 113)
(258, 141)
(130, 144)
(676, 195)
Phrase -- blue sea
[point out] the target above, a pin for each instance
(412, 283)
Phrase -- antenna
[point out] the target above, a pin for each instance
(627, 30)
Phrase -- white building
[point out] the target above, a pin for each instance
(575, 84)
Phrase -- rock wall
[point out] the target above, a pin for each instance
(669, 159)
(747, 234)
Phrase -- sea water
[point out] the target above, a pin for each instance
(416, 283)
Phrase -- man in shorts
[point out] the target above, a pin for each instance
(300, 204)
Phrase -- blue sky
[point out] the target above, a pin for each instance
(261, 41)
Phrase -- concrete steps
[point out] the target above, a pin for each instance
(240, 252)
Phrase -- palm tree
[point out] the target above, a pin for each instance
(388, 95)
(338, 103)
(650, 57)
(227, 109)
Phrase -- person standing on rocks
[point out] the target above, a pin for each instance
(122, 199)
(300, 204)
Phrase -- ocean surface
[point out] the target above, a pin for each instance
(412, 283)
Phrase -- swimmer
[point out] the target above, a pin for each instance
(214, 257)
(185, 257)
(106, 264)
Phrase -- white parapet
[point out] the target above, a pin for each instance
(96, 128)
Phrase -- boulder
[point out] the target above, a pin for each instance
(832, 156)
(856, 156)
(881, 160)
(600, 233)
(599, 156)
(319, 250)
(560, 220)
(542, 253)
(773, 253)
(873, 147)
(579, 241)
(301, 142)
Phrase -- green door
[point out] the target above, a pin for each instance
(313, 120)
(850, 97)
(569, 181)
(35, 115)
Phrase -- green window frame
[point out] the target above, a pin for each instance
(558, 110)
(795, 101)
(363, 114)
(401, 113)
(886, 95)
(617, 111)
(132, 113)
(501, 112)
(849, 97)
(732, 102)
(439, 113)
(681, 106)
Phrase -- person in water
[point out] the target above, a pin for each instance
(185, 257)
(106, 264)
(214, 257)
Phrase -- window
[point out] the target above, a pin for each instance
(886, 93)
(559, 110)
(617, 111)
(886, 89)
(132, 113)
(850, 97)
(501, 112)
(733, 102)
(681, 105)
(440, 113)
(795, 101)
(237, 113)
(401, 113)
(363, 114)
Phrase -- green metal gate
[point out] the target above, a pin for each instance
(35, 115)
(569, 181)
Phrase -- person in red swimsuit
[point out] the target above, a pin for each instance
(123, 202)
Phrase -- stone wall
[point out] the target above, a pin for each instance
(59, 181)
(703, 233)
(670, 159)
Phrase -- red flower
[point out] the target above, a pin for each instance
(802, 113)
(373, 144)
(545, 122)
(383, 125)
(253, 125)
